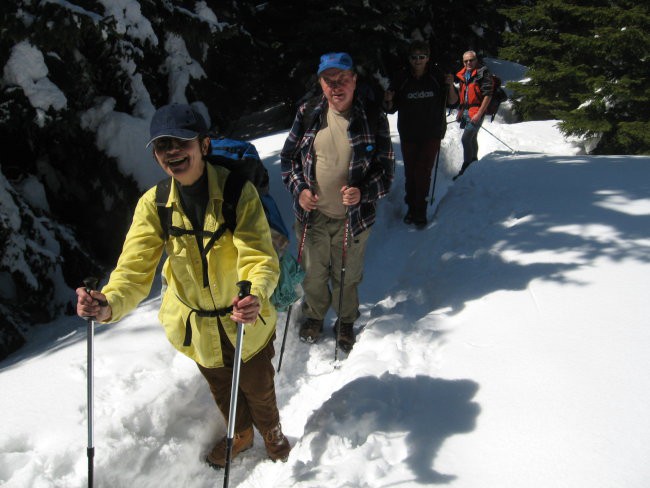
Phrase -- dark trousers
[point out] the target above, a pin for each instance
(419, 158)
(256, 402)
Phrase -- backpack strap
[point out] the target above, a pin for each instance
(163, 189)
(481, 73)
(231, 193)
(372, 110)
(310, 112)
(373, 114)
(220, 312)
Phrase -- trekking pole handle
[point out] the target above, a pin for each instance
(90, 283)
(244, 288)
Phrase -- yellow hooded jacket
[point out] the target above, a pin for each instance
(246, 255)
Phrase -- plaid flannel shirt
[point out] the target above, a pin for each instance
(372, 167)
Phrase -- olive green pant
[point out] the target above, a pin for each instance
(322, 261)
(256, 402)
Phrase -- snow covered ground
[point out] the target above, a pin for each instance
(505, 345)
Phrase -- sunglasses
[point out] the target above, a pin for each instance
(340, 81)
(468, 60)
(417, 57)
(164, 144)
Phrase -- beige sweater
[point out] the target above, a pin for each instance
(333, 154)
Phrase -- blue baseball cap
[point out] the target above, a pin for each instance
(176, 120)
(335, 60)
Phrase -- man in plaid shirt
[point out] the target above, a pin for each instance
(337, 162)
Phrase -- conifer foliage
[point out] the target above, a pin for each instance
(589, 64)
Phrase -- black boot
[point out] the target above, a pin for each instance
(463, 168)
(408, 218)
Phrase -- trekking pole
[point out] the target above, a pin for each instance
(90, 284)
(435, 176)
(284, 337)
(342, 281)
(511, 149)
(244, 291)
(435, 171)
(301, 246)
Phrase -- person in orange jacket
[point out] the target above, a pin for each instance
(475, 86)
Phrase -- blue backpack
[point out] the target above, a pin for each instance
(244, 163)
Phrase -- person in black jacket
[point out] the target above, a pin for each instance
(419, 95)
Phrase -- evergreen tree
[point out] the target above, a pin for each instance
(293, 34)
(589, 68)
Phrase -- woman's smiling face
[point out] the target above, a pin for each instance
(182, 159)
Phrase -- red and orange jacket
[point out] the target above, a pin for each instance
(473, 93)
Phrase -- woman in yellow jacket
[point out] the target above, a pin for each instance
(200, 307)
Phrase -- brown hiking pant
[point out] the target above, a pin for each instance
(256, 402)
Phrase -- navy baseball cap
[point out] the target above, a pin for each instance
(335, 60)
(176, 120)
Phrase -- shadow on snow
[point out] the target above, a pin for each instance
(573, 210)
(429, 410)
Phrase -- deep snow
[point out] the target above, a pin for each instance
(504, 345)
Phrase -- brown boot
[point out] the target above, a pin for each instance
(242, 441)
(310, 330)
(277, 445)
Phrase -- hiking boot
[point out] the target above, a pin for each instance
(420, 221)
(346, 338)
(277, 445)
(408, 218)
(310, 330)
(463, 168)
(242, 441)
